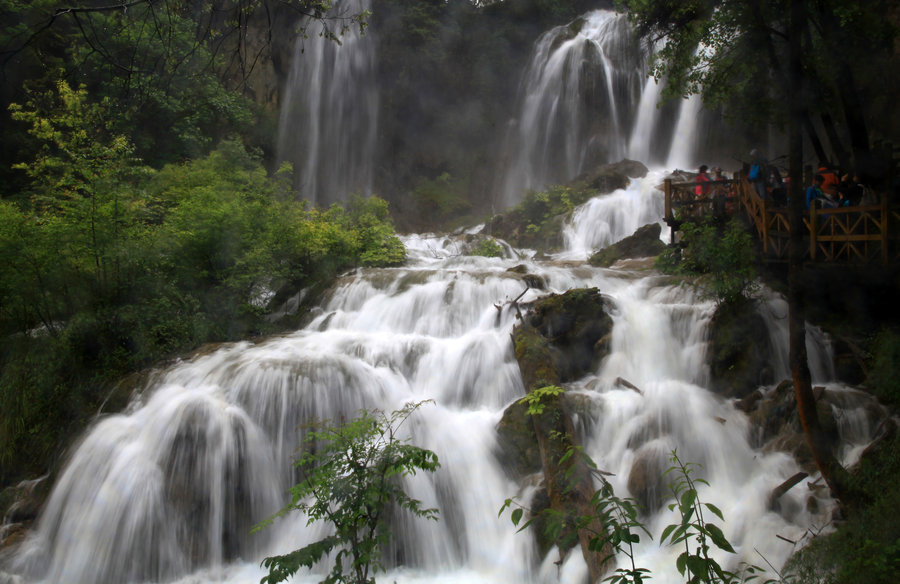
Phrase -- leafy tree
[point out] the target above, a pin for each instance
(351, 481)
(723, 256)
(736, 53)
(709, 48)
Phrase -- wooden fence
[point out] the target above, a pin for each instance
(869, 233)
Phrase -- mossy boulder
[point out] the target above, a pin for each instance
(517, 442)
(606, 178)
(537, 222)
(643, 243)
(564, 336)
(775, 423)
(740, 353)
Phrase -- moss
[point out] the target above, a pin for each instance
(644, 242)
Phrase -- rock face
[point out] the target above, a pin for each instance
(609, 177)
(740, 351)
(643, 243)
(561, 338)
(845, 416)
(537, 222)
(572, 329)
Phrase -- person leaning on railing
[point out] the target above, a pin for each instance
(816, 196)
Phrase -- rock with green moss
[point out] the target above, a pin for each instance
(643, 243)
(740, 353)
(537, 222)
(567, 333)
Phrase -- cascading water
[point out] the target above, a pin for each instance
(169, 490)
(586, 99)
(329, 112)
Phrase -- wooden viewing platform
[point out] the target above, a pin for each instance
(861, 234)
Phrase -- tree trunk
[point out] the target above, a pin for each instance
(821, 449)
(814, 139)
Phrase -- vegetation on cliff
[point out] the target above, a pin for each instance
(110, 266)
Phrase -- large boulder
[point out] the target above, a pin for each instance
(562, 337)
(572, 330)
(643, 243)
(740, 352)
(608, 177)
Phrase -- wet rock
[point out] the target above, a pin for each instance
(775, 423)
(517, 442)
(645, 481)
(531, 280)
(573, 330)
(740, 352)
(643, 243)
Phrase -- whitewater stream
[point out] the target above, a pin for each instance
(168, 490)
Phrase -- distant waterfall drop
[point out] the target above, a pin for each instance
(577, 103)
(586, 99)
(328, 121)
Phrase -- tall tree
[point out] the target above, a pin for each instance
(765, 60)
(736, 52)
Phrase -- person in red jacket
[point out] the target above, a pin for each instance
(831, 180)
(702, 179)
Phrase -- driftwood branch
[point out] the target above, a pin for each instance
(625, 383)
(784, 487)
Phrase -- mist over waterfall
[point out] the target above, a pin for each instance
(586, 99)
(329, 112)
(168, 490)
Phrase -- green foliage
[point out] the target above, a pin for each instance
(351, 473)
(535, 399)
(883, 379)
(441, 199)
(540, 212)
(108, 265)
(723, 257)
(865, 547)
(622, 526)
(488, 248)
(695, 532)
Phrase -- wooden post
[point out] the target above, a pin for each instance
(764, 210)
(812, 230)
(668, 212)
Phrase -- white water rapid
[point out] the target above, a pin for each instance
(167, 491)
(332, 95)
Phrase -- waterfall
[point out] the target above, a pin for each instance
(577, 103)
(328, 117)
(586, 99)
(168, 490)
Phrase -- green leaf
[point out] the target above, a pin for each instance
(718, 538)
(517, 516)
(715, 510)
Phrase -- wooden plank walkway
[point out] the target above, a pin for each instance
(862, 234)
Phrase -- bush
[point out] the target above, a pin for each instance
(723, 256)
(351, 482)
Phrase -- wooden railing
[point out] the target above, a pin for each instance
(845, 234)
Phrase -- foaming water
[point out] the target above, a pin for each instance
(168, 491)
(609, 218)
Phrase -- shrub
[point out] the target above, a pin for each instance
(351, 480)
(724, 258)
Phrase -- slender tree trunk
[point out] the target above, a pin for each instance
(821, 449)
(837, 145)
(814, 139)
